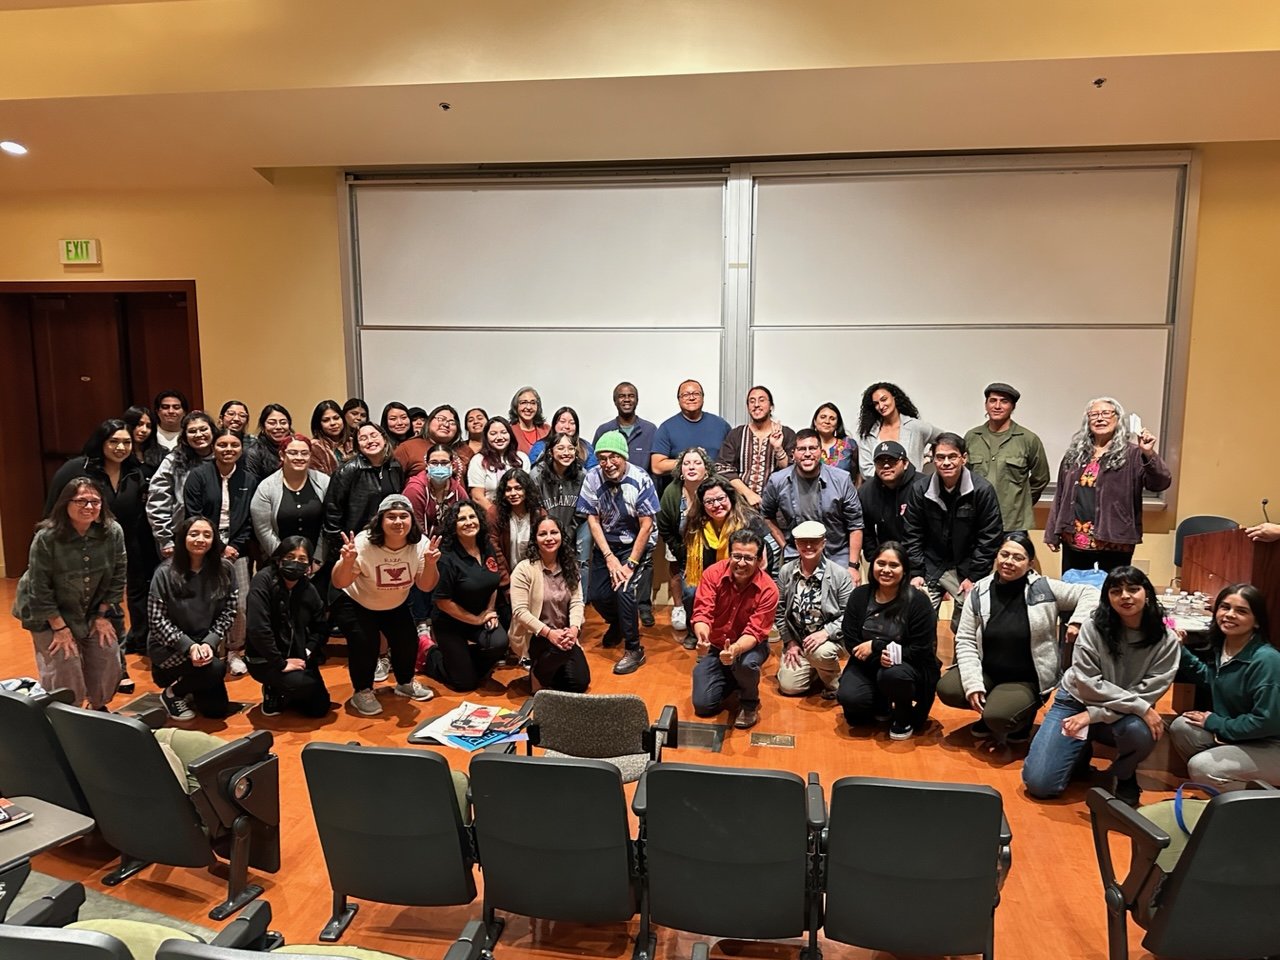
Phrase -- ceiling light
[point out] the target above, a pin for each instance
(12, 147)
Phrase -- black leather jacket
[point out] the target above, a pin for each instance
(354, 493)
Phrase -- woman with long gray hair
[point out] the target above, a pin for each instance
(1096, 517)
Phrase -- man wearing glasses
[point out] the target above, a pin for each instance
(691, 427)
(732, 615)
(953, 527)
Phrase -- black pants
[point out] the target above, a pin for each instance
(141, 565)
(207, 685)
(361, 627)
(301, 690)
(463, 656)
(1107, 560)
(867, 689)
(557, 669)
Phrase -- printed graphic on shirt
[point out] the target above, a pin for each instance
(392, 575)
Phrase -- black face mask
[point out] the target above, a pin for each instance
(293, 569)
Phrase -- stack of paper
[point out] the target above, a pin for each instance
(472, 727)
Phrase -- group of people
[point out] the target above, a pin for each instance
(441, 544)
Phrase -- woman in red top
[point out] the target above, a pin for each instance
(528, 422)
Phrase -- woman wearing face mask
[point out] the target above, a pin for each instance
(332, 441)
(890, 631)
(1006, 649)
(221, 491)
(1121, 665)
(191, 608)
(547, 612)
(286, 634)
(108, 460)
(468, 638)
(166, 494)
(375, 569)
(693, 466)
(716, 514)
(496, 457)
(565, 421)
(359, 486)
(1238, 740)
(74, 581)
(396, 424)
(262, 457)
(558, 475)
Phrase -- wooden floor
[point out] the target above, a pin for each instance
(1052, 903)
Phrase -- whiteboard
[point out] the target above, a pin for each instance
(579, 369)
(1010, 247)
(598, 255)
(944, 372)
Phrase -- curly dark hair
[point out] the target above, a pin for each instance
(566, 555)
(448, 527)
(532, 499)
(575, 470)
(868, 417)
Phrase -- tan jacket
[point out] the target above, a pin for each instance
(526, 604)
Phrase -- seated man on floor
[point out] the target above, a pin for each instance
(732, 613)
(813, 594)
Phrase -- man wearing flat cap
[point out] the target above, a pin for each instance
(813, 592)
(1010, 457)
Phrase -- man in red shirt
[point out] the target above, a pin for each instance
(732, 614)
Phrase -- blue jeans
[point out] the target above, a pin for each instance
(583, 537)
(1053, 755)
(619, 606)
(713, 681)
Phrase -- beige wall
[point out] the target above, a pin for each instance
(267, 270)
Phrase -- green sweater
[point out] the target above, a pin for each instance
(1246, 690)
(1014, 463)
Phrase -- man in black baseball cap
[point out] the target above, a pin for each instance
(884, 495)
(1010, 457)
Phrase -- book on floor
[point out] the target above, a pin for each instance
(11, 814)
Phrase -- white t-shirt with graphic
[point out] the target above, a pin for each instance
(383, 577)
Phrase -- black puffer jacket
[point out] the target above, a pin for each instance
(884, 509)
(964, 539)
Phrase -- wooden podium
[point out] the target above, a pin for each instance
(1210, 561)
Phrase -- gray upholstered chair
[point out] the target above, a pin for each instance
(230, 808)
(1219, 899)
(382, 813)
(466, 947)
(32, 762)
(759, 827)
(889, 843)
(554, 840)
(610, 727)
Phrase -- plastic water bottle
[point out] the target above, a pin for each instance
(1183, 607)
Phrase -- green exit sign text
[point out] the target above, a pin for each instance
(79, 251)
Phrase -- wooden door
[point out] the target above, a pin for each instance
(161, 354)
(76, 341)
(22, 480)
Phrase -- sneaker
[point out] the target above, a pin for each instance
(365, 703)
(646, 617)
(747, 718)
(382, 670)
(1022, 734)
(125, 685)
(632, 660)
(901, 731)
(690, 642)
(612, 636)
(679, 619)
(980, 730)
(1128, 791)
(271, 705)
(176, 706)
(424, 630)
(829, 693)
(414, 691)
(236, 665)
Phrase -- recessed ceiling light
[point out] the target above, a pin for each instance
(12, 147)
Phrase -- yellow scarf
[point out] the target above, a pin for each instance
(719, 542)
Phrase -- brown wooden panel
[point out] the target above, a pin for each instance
(160, 352)
(79, 370)
(21, 477)
(1214, 560)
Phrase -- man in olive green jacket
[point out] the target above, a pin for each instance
(1010, 457)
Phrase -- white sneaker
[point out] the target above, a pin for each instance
(236, 665)
(414, 691)
(424, 630)
(679, 620)
(365, 703)
(382, 670)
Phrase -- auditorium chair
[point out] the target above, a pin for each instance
(467, 947)
(613, 727)
(32, 762)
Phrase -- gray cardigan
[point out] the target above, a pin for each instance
(836, 587)
(914, 434)
(266, 504)
(1046, 598)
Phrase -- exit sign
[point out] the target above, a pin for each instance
(79, 251)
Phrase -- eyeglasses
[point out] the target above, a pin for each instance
(742, 558)
(445, 420)
(714, 501)
(87, 503)
(1101, 414)
(691, 395)
(947, 457)
(119, 443)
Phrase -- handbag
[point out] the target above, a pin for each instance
(1177, 817)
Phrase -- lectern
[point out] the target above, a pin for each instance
(1210, 561)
